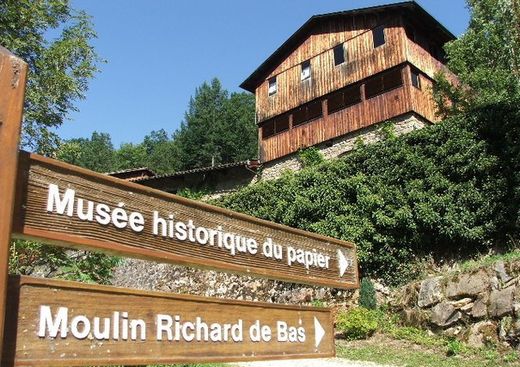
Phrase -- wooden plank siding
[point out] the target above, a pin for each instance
(382, 107)
(363, 61)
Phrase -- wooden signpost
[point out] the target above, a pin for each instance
(57, 323)
(62, 323)
(71, 206)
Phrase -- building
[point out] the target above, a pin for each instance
(334, 81)
(341, 75)
(214, 181)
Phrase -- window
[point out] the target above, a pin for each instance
(306, 70)
(308, 112)
(281, 123)
(343, 98)
(273, 88)
(383, 82)
(416, 81)
(378, 35)
(275, 125)
(268, 129)
(339, 54)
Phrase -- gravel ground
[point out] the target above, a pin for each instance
(322, 362)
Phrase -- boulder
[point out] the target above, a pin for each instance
(501, 302)
(468, 285)
(444, 314)
(482, 333)
(430, 292)
(480, 308)
(500, 269)
(414, 317)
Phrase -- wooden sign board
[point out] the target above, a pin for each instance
(58, 323)
(70, 206)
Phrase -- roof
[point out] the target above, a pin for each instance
(250, 164)
(259, 75)
(131, 170)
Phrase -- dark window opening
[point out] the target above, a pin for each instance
(378, 34)
(339, 54)
(272, 86)
(410, 32)
(306, 113)
(275, 125)
(343, 98)
(281, 123)
(268, 129)
(384, 82)
(416, 81)
(306, 70)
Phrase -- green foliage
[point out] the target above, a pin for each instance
(28, 258)
(59, 69)
(357, 323)
(217, 128)
(367, 294)
(194, 193)
(310, 157)
(318, 303)
(444, 190)
(454, 347)
(485, 58)
(96, 153)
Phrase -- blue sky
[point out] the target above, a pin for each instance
(159, 51)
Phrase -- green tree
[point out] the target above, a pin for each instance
(217, 128)
(96, 153)
(162, 153)
(59, 68)
(486, 59)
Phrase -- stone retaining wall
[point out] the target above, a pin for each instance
(479, 307)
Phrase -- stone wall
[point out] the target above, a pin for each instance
(147, 275)
(479, 307)
(344, 144)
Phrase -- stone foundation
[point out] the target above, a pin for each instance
(339, 146)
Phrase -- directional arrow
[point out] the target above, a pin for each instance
(319, 332)
(342, 262)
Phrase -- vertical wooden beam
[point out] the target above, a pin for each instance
(13, 72)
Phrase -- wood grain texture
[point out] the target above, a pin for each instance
(382, 107)
(362, 62)
(24, 347)
(12, 88)
(33, 221)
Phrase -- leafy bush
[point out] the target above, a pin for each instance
(27, 257)
(310, 157)
(367, 294)
(357, 323)
(452, 189)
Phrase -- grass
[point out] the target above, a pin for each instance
(386, 350)
(489, 260)
(409, 346)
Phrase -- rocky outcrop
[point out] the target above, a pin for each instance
(481, 306)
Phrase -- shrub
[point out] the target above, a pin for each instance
(367, 294)
(357, 323)
(310, 157)
(442, 190)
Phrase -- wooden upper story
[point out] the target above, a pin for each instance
(339, 60)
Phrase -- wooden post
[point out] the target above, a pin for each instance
(13, 73)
